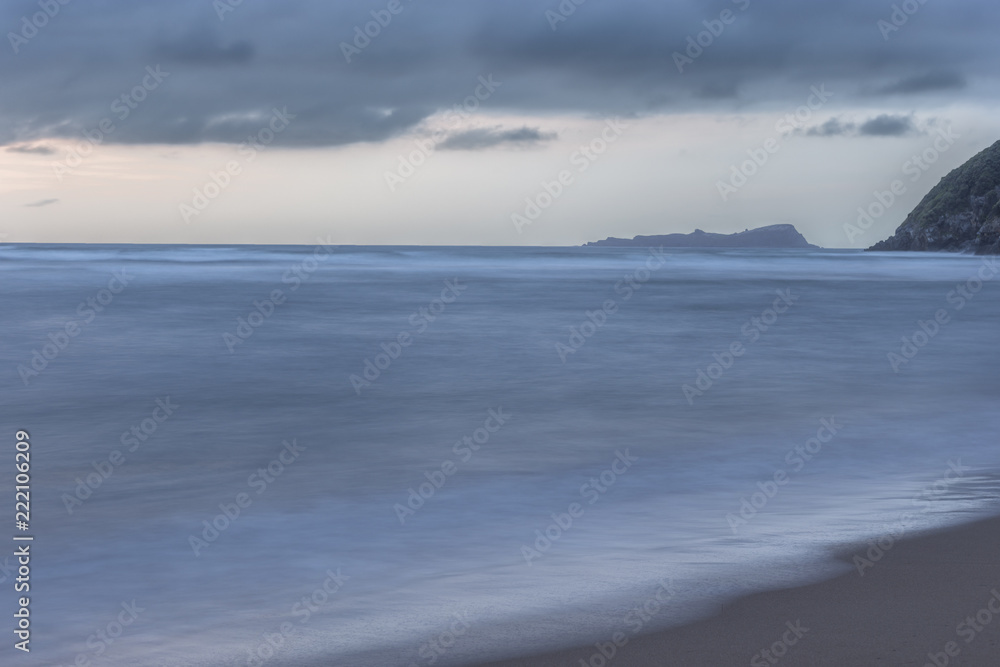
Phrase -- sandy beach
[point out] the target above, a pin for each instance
(933, 599)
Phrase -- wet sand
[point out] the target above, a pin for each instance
(933, 599)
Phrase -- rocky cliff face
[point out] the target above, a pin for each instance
(960, 214)
(773, 236)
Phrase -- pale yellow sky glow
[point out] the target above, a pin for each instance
(659, 176)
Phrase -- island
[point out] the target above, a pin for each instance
(772, 236)
(959, 214)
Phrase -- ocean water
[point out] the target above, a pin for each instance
(444, 455)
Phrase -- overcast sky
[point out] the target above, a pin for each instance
(482, 122)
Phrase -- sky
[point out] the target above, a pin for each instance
(474, 122)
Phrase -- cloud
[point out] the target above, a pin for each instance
(31, 149)
(482, 138)
(719, 90)
(923, 83)
(884, 125)
(204, 48)
(832, 128)
(43, 202)
(605, 59)
(887, 126)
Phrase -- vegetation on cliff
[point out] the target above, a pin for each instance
(961, 213)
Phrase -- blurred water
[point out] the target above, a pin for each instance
(334, 505)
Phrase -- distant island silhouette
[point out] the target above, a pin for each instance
(772, 236)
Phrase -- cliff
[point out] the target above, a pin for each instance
(960, 214)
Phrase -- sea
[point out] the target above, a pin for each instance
(298, 455)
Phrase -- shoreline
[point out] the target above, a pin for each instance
(933, 596)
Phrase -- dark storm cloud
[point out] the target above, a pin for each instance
(203, 48)
(883, 125)
(228, 73)
(832, 128)
(481, 138)
(926, 83)
(718, 90)
(888, 126)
